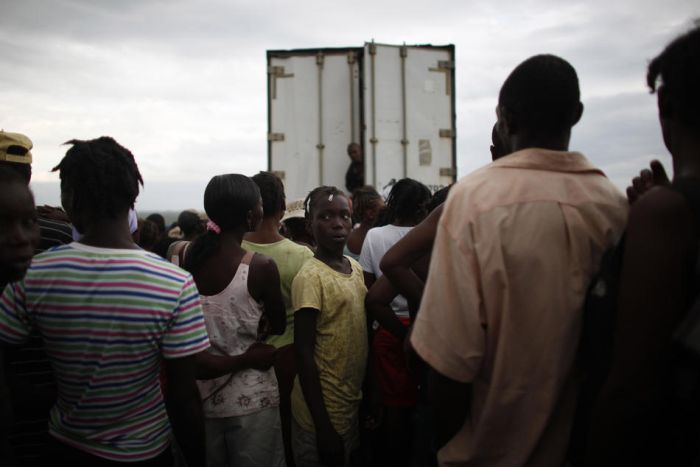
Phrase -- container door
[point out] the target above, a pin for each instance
(409, 114)
(313, 113)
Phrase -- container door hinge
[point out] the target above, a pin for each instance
(275, 136)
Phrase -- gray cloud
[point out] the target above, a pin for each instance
(183, 83)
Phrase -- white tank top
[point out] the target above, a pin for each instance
(232, 318)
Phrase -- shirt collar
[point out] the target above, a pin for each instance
(547, 159)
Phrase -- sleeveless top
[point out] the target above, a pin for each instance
(232, 318)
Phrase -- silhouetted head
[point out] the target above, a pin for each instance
(439, 197)
(233, 202)
(99, 180)
(190, 224)
(539, 101)
(675, 75)
(159, 222)
(355, 152)
(272, 193)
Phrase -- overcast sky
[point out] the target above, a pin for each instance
(183, 83)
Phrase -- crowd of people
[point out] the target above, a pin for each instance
(527, 315)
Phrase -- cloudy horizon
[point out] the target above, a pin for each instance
(183, 84)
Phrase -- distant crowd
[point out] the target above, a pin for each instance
(528, 315)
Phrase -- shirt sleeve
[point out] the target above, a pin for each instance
(449, 332)
(306, 291)
(15, 324)
(365, 258)
(187, 334)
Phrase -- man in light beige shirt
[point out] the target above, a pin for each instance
(516, 247)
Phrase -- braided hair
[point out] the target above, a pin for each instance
(406, 202)
(102, 176)
(678, 67)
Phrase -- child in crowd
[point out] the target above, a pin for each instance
(19, 235)
(366, 207)
(241, 296)
(406, 207)
(330, 336)
(289, 257)
(110, 313)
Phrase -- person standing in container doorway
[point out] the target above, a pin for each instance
(355, 175)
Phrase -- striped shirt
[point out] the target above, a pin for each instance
(107, 318)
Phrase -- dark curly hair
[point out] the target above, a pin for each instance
(102, 176)
(406, 202)
(678, 68)
(272, 192)
(363, 199)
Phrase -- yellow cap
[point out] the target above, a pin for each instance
(15, 147)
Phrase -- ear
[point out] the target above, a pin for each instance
(506, 121)
(577, 113)
(664, 102)
(249, 220)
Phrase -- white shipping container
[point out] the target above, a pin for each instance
(397, 102)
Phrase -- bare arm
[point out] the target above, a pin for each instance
(659, 242)
(330, 444)
(264, 285)
(258, 356)
(185, 408)
(396, 263)
(378, 306)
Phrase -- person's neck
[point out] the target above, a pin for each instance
(557, 142)
(109, 233)
(267, 232)
(403, 223)
(686, 156)
(332, 258)
(231, 239)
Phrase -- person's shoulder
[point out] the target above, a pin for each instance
(312, 265)
(660, 204)
(354, 264)
(298, 248)
(261, 261)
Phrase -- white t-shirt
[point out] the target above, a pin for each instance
(376, 244)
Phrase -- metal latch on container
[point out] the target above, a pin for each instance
(275, 136)
(447, 133)
(445, 66)
(276, 72)
(447, 172)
